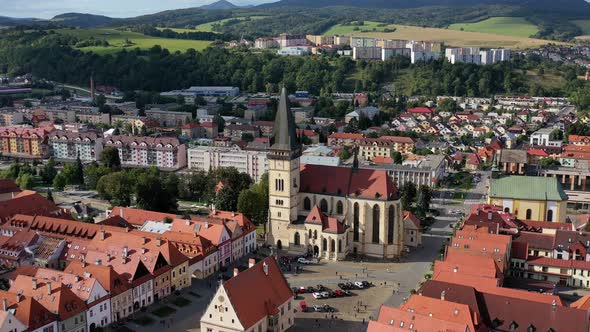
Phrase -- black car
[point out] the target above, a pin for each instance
(310, 289)
(321, 288)
(366, 284)
(342, 286)
(327, 308)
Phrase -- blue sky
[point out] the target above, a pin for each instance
(113, 8)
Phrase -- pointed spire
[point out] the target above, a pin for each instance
(284, 136)
(355, 161)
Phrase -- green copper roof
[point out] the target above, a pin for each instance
(284, 134)
(527, 188)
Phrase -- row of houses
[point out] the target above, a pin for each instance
(74, 276)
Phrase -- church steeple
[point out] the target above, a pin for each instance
(284, 143)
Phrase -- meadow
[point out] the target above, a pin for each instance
(457, 38)
(346, 29)
(584, 25)
(208, 27)
(508, 26)
(118, 38)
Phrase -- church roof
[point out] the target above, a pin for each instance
(284, 134)
(345, 181)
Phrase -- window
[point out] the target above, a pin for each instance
(550, 215)
(339, 208)
(355, 223)
(390, 224)
(307, 204)
(376, 213)
(324, 206)
(529, 214)
(297, 240)
(279, 185)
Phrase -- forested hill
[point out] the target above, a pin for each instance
(539, 5)
(83, 20)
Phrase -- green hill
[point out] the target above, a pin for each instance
(508, 26)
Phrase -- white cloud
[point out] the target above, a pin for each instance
(113, 8)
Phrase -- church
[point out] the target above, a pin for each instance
(325, 210)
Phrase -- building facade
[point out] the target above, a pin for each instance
(69, 146)
(24, 142)
(163, 152)
(253, 163)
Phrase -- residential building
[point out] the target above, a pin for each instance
(366, 53)
(168, 118)
(344, 139)
(529, 197)
(427, 170)
(205, 91)
(236, 131)
(494, 55)
(369, 112)
(238, 306)
(251, 162)
(140, 151)
(8, 189)
(359, 211)
(200, 130)
(287, 40)
(514, 162)
(544, 137)
(390, 53)
(265, 42)
(463, 54)
(10, 118)
(23, 142)
(294, 50)
(68, 145)
(320, 39)
(29, 312)
(412, 230)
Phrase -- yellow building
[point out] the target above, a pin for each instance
(529, 197)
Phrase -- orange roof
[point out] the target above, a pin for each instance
(409, 216)
(466, 269)
(27, 310)
(106, 276)
(398, 319)
(346, 136)
(252, 304)
(444, 310)
(578, 138)
(138, 217)
(465, 279)
(583, 302)
(382, 160)
(27, 202)
(398, 139)
(54, 296)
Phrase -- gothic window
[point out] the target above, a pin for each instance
(390, 224)
(297, 240)
(355, 222)
(324, 206)
(375, 237)
(307, 204)
(339, 208)
(550, 215)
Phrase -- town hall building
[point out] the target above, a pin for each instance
(325, 210)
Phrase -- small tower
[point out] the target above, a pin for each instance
(283, 175)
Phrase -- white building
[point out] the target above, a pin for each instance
(257, 299)
(389, 53)
(69, 146)
(366, 53)
(294, 50)
(463, 54)
(543, 137)
(254, 163)
(494, 55)
(416, 56)
(205, 91)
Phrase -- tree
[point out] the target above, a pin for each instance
(25, 181)
(156, 192)
(50, 196)
(219, 121)
(424, 198)
(247, 137)
(49, 172)
(408, 195)
(397, 158)
(93, 173)
(253, 202)
(447, 105)
(117, 188)
(110, 158)
(226, 199)
(59, 182)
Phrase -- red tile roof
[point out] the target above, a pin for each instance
(27, 310)
(421, 110)
(8, 186)
(409, 216)
(138, 217)
(341, 181)
(329, 224)
(27, 202)
(346, 136)
(252, 304)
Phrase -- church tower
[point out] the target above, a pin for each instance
(283, 175)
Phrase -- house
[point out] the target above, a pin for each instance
(412, 230)
(257, 299)
(369, 112)
(200, 130)
(514, 162)
(344, 139)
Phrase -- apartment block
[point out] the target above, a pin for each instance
(69, 146)
(254, 163)
(166, 153)
(24, 142)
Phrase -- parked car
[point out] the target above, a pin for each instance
(310, 289)
(359, 285)
(317, 308)
(301, 290)
(303, 306)
(338, 293)
(342, 286)
(327, 308)
(347, 293)
(325, 295)
(321, 288)
(366, 284)
(302, 260)
(317, 295)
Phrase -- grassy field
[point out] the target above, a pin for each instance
(508, 26)
(457, 38)
(584, 25)
(548, 80)
(208, 27)
(340, 29)
(117, 39)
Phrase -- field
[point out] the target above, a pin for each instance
(457, 38)
(508, 26)
(341, 29)
(584, 25)
(208, 27)
(117, 40)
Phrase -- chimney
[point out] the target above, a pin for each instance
(554, 305)
(127, 229)
(456, 269)
(125, 251)
(98, 261)
(108, 257)
(83, 261)
(158, 241)
(121, 213)
(265, 268)
(76, 278)
(19, 296)
(143, 240)
(143, 250)
(442, 295)
(5, 304)
(34, 283)
(236, 271)
(251, 262)
(49, 288)
(102, 234)
(490, 216)
(188, 222)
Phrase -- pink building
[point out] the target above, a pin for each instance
(166, 153)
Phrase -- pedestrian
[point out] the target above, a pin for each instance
(363, 321)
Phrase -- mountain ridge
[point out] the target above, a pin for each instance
(219, 5)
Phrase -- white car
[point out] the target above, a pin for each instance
(317, 308)
(302, 260)
(359, 285)
(317, 295)
(325, 295)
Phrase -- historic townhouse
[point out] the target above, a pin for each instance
(29, 312)
(69, 146)
(24, 142)
(163, 152)
(329, 211)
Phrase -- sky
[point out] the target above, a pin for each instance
(113, 8)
